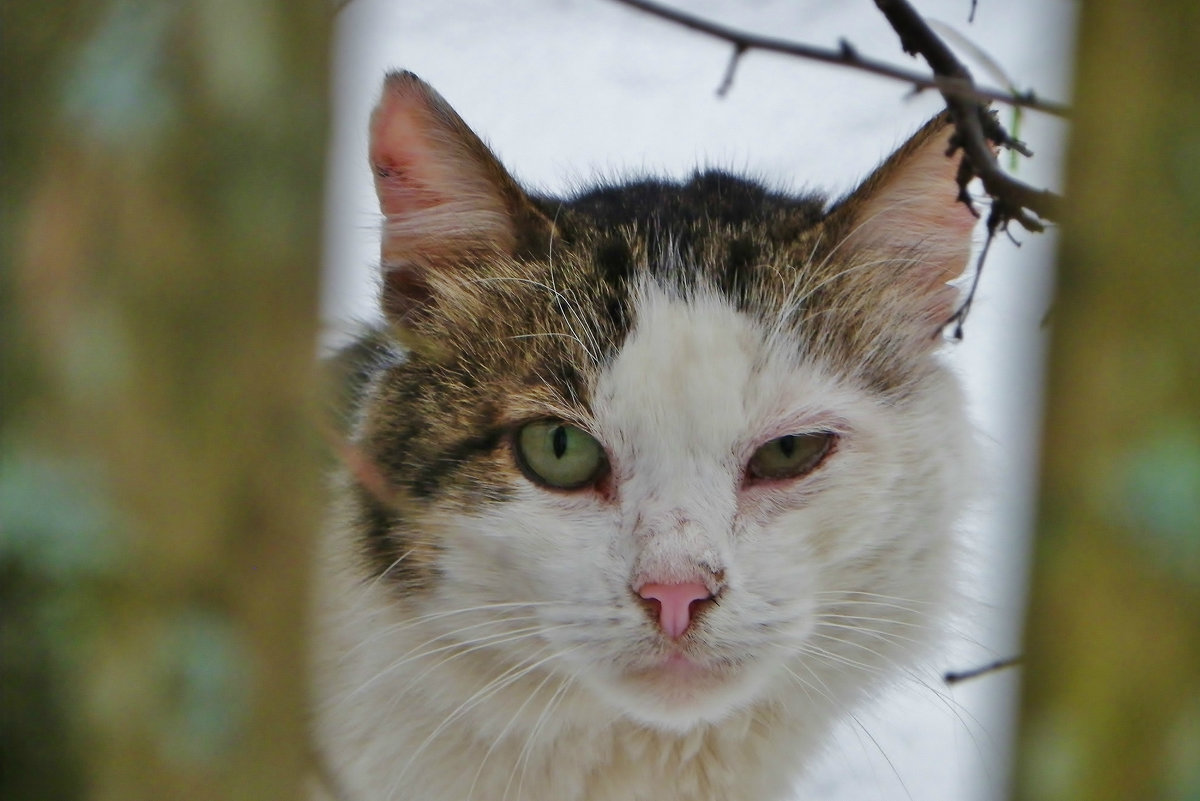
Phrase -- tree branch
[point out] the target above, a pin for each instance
(976, 126)
(977, 129)
(846, 56)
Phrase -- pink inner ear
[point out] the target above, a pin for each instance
(907, 219)
(918, 208)
(403, 162)
(440, 189)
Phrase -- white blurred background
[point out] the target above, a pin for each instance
(568, 90)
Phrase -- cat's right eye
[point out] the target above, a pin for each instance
(559, 455)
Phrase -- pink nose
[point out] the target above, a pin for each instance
(675, 604)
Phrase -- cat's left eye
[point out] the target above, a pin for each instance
(559, 455)
(791, 456)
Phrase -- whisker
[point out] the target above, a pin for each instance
(453, 634)
(489, 688)
(951, 705)
(486, 641)
(860, 728)
(526, 750)
(823, 690)
(858, 597)
(825, 654)
(394, 629)
(882, 753)
(844, 601)
(913, 624)
(362, 596)
(412, 622)
(879, 634)
(414, 683)
(504, 731)
(494, 686)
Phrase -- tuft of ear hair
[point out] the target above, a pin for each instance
(447, 201)
(907, 218)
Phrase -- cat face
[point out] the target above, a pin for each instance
(686, 446)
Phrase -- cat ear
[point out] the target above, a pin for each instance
(907, 220)
(446, 200)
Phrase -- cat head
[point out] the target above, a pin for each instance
(692, 439)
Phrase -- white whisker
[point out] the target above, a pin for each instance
(504, 732)
(459, 650)
(526, 750)
(494, 686)
(879, 634)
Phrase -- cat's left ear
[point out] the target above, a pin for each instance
(906, 218)
(449, 206)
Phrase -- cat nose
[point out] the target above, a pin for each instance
(674, 604)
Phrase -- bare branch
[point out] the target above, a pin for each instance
(977, 130)
(846, 56)
(976, 127)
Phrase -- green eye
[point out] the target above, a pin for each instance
(559, 455)
(791, 456)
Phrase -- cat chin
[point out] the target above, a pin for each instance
(678, 697)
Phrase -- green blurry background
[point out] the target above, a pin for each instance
(158, 475)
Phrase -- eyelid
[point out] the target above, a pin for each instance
(542, 413)
(800, 425)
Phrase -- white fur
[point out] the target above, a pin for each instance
(531, 671)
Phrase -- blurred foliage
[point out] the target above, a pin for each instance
(158, 466)
(1112, 701)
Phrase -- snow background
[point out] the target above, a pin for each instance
(568, 90)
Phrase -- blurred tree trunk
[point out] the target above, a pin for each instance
(158, 466)
(1112, 701)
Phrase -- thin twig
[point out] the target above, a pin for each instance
(727, 81)
(847, 56)
(960, 315)
(955, 676)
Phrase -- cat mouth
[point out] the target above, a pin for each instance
(680, 664)
(677, 668)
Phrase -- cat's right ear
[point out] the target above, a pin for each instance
(448, 203)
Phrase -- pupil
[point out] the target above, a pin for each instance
(558, 441)
(787, 446)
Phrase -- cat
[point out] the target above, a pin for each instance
(645, 487)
